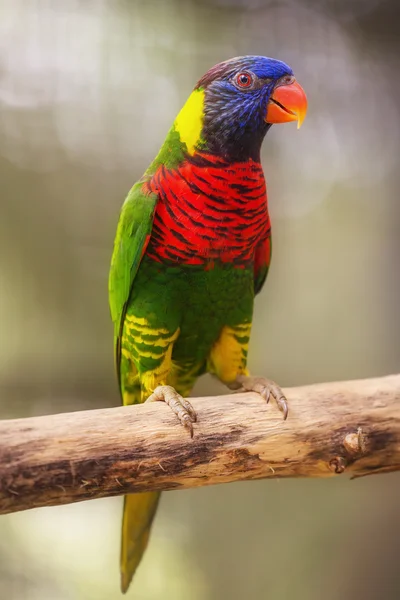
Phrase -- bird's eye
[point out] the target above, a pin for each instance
(243, 80)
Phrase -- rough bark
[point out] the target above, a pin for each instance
(332, 428)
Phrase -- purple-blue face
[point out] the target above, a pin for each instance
(241, 103)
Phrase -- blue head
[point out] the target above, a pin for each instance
(243, 97)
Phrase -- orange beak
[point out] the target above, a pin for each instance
(287, 103)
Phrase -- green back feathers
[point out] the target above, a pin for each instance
(171, 153)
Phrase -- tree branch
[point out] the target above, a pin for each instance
(351, 426)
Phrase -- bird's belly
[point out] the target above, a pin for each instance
(220, 296)
(190, 306)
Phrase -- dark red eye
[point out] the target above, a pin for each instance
(243, 80)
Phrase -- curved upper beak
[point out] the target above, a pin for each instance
(287, 103)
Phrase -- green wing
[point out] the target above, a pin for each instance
(133, 234)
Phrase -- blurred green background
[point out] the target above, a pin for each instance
(88, 90)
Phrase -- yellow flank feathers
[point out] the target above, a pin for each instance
(141, 341)
(142, 324)
(158, 376)
(189, 121)
(229, 353)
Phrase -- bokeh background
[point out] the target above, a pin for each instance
(88, 90)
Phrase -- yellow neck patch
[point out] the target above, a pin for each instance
(189, 121)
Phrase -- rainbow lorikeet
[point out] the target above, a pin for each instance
(192, 249)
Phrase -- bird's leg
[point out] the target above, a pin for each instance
(263, 386)
(228, 358)
(179, 405)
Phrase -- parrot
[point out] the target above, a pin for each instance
(191, 251)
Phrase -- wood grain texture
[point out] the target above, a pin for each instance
(351, 426)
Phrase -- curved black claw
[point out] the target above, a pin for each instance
(266, 388)
(179, 405)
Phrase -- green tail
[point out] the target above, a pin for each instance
(138, 515)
